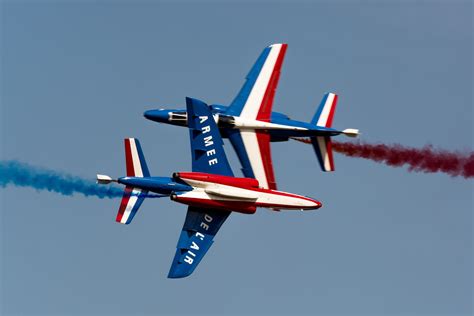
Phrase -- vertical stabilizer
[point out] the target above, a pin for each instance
(134, 159)
(136, 167)
(325, 113)
(323, 118)
(323, 147)
(131, 200)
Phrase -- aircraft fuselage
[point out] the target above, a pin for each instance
(280, 126)
(241, 195)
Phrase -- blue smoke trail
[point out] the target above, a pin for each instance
(24, 175)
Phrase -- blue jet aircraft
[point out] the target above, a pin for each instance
(250, 124)
(211, 191)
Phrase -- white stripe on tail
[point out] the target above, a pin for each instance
(135, 161)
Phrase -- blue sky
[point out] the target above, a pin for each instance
(76, 78)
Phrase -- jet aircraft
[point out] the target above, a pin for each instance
(250, 124)
(211, 191)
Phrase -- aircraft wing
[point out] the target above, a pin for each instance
(255, 99)
(207, 147)
(253, 149)
(201, 224)
(199, 229)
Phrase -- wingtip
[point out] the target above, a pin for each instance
(179, 274)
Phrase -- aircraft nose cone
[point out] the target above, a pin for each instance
(156, 115)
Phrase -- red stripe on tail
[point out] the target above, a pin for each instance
(265, 110)
(128, 158)
(123, 205)
(332, 111)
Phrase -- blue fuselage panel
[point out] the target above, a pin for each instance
(161, 185)
(179, 117)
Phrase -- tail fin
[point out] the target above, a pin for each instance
(323, 147)
(323, 118)
(322, 144)
(131, 200)
(134, 159)
(136, 167)
(325, 113)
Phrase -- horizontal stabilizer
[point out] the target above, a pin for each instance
(131, 200)
(325, 113)
(323, 147)
(134, 159)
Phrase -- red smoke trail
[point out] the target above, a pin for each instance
(426, 159)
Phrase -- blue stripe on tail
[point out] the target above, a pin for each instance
(143, 165)
(320, 109)
(237, 105)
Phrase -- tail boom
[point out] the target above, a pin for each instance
(323, 147)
